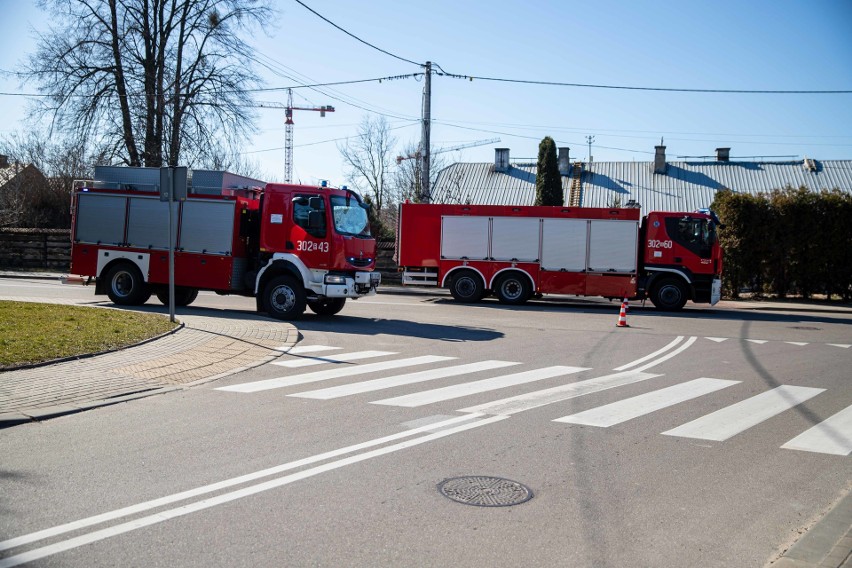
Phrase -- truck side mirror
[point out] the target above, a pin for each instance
(315, 203)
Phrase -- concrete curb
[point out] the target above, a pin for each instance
(828, 544)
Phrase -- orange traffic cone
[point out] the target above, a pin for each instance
(622, 315)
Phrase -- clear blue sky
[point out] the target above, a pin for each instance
(724, 44)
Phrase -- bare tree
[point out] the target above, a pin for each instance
(41, 195)
(369, 157)
(158, 80)
(407, 180)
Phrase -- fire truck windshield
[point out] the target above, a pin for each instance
(350, 216)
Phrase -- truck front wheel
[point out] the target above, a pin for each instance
(284, 298)
(466, 286)
(513, 289)
(669, 294)
(327, 307)
(125, 285)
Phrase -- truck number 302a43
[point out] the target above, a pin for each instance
(656, 244)
(312, 246)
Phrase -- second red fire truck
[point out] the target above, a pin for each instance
(516, 252)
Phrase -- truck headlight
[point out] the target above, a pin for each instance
(335, 279)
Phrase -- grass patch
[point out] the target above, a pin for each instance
(32, 332)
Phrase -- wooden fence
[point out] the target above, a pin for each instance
(35, 249)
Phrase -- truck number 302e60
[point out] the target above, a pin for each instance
(312, 246)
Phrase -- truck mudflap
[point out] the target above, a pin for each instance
(716, 291)
(363, 284)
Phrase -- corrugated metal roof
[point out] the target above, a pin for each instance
(685, 186)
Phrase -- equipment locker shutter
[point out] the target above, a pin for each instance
(612, 246)
(563, 244)
(207, 226)
(515, 238)
(148, 226)
(100, 218)
(464, 237)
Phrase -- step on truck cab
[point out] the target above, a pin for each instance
(289, 246)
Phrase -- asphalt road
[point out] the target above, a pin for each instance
(679, 441)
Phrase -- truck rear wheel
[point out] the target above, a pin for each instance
(284, 298)
(669, 294)
(513, 288)
(125, 285)
(183, 296)
(327, 307)
(466, 286)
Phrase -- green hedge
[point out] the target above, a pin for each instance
(788, 242)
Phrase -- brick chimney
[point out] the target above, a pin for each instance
(660, 160)
(564, 161)
(723, 154)
(501, 159)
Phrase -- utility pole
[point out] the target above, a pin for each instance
(425, 193)
(590, 139)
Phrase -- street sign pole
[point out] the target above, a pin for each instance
(172, 188)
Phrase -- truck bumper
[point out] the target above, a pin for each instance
(715, 291)
(363, 284)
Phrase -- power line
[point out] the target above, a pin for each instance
(350, 34)
(658, 89)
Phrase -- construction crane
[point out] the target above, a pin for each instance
(416, 155)
(288, 129)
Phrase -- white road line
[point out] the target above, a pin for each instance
(634, 407)
(671, 345)
(168, 514)
(203, 490)
(831, 436)
(400, 380)
(475, 387)
(668, 356)
(843, 345)
(332, 374)
(731, 420)
(758, 341)
(341, 358)
(799, 343)
(717, 339)
(520, 403)
(302, 349)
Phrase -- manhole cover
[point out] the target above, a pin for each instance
(484, 491)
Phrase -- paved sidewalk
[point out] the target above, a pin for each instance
(205, 348)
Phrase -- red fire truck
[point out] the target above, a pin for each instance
(518, 252)
(289, 246)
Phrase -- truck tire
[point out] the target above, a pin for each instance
(284, 298)
(466, 286)
(183, 296)
(669, 294)
(513, 288)
(327, 307)
(125, 285)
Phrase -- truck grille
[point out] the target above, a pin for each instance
(360, 262)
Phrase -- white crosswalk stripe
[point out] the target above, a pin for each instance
(730, 421)
(400, 380)
(333, 374)
(303, 349)
(466, 389)
(341, 358)
(521, 403)
(634, 407)
(831, 436)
